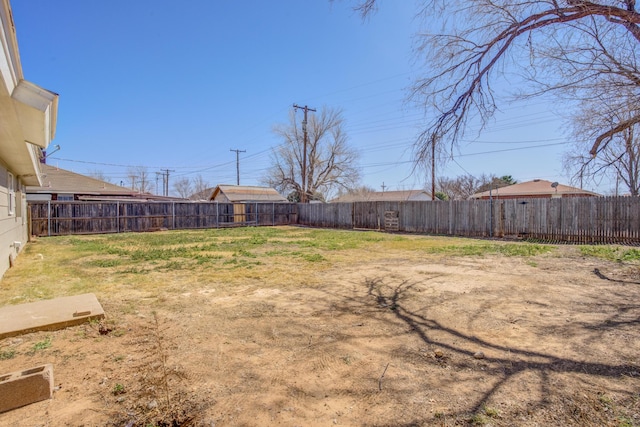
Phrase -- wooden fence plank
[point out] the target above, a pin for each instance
(583, 220)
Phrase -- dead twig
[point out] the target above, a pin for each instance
(382, 376)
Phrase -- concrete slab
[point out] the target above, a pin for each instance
(48, 315)
(25, 387)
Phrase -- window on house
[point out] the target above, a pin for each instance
(11, 194)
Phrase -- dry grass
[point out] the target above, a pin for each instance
(296, 326)
(180, 260)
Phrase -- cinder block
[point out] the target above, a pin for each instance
(25, 387)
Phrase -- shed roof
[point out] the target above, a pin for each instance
(537, 187)
(244, 193)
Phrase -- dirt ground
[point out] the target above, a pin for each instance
(407, 339)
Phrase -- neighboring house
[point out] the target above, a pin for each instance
(246, 194)
(385, 196)
(202, 196)
(63, 185)
(28, 116)
(538, 188)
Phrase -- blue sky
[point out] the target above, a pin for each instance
(176, 85)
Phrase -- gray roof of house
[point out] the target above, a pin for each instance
(61, 181)
(56, 180)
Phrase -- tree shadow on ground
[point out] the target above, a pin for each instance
(602, 276)
(394, 300)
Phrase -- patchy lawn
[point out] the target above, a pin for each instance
(305, 327)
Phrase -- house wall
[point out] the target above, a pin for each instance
(27, 121)
(13, 226)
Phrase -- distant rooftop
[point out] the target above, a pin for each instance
(535, 188)
(56, 180)
(384, 196)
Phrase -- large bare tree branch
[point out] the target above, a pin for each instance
(606, 136)
(484, 58)
(566, 47)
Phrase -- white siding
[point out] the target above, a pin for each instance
(13, 228)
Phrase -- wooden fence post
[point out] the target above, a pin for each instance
(49, 218)
(173, 215)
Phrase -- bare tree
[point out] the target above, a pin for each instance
(98, 174)
(331, 163)
(620, 158)
(459, 188)
(140, 179)
(132, 176)
(492, 182)
(464, 186)
(146, 183)
(183, 187)
(201, 188)
(363, 192)
(626, 150)
(567, 48)
(360, 189)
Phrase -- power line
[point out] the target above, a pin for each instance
(512, 142)
(129, 166)
(400, 162)
(359, 127)
(509, 149)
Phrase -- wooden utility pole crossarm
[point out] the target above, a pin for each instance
(306, 109)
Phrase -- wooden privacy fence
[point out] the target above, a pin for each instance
(61, 218)
(576, 219)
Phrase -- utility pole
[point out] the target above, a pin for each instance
(383, 186)
(306, 109)
(238, 164)
(157, 178)
(165, 180)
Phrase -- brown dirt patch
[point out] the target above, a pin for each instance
(490, 340)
